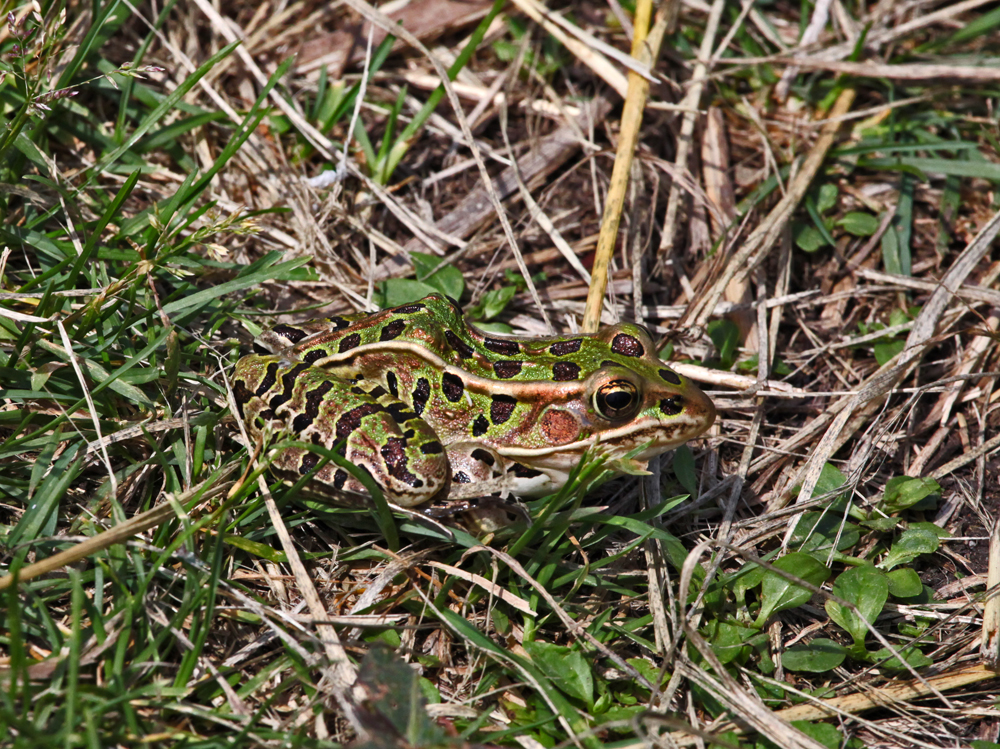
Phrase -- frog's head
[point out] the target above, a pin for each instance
(645, 405)
(626, 398)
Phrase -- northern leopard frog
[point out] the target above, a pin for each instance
(432, 407)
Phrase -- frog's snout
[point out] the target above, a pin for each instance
(700, 408)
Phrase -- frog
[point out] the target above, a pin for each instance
(433, 408)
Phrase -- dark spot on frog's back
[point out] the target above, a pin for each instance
(670, 376)
(287, 385)
(564, 371)
(461, 348)
(339, 323)
(270, 377)
(672, 406)
(307, 462)
(421, 393)
(392, 330)
(562, 348)
(452, 387)
(399, 413)
(502, 408)
(377, 392)
(461, 477)
(314, 356)
(349, 341)
(627, 345)
(502, 346)
(242, 394)
(351, 420)
(394, 455)
(393, 383)
(432, 448)
(409, 309)
(289, 333)
(339, 478)
(507, 369)
(314, 399)
(480, 426)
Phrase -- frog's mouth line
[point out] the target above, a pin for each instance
(612, 439)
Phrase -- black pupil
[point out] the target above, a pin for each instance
(618, 399)
(615, 400)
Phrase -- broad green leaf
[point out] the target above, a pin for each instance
(865, 587)
(684, 469)
(567, 668)
(909, 546)
(779, 594)
(830, 480)
(726, 337)
(881, 524)
(808, 238)
(902, 492)
(814, 657)
(397, 291)
(827, 197)
(859, 224)
(911, 655)
(426, 264)
(495, 327)
(817, 531)
(904, 582)
(821, 225)
(449, 281)
(492, 303)
(749, 577)
(823, 733)
(647, 669)
(937, 530)
(728, 640)
(886, 352)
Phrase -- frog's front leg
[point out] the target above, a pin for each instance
(373, 430)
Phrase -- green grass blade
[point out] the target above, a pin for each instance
(194, 302)
(157, 114)
(110, 212)
(406, 138)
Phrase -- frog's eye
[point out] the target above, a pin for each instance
(616, 400)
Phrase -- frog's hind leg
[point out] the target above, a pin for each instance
(365, 424)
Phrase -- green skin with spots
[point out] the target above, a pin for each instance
(434, 408)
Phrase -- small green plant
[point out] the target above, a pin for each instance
(817, 233)
(887, 347)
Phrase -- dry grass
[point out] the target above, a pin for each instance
(807, 226)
